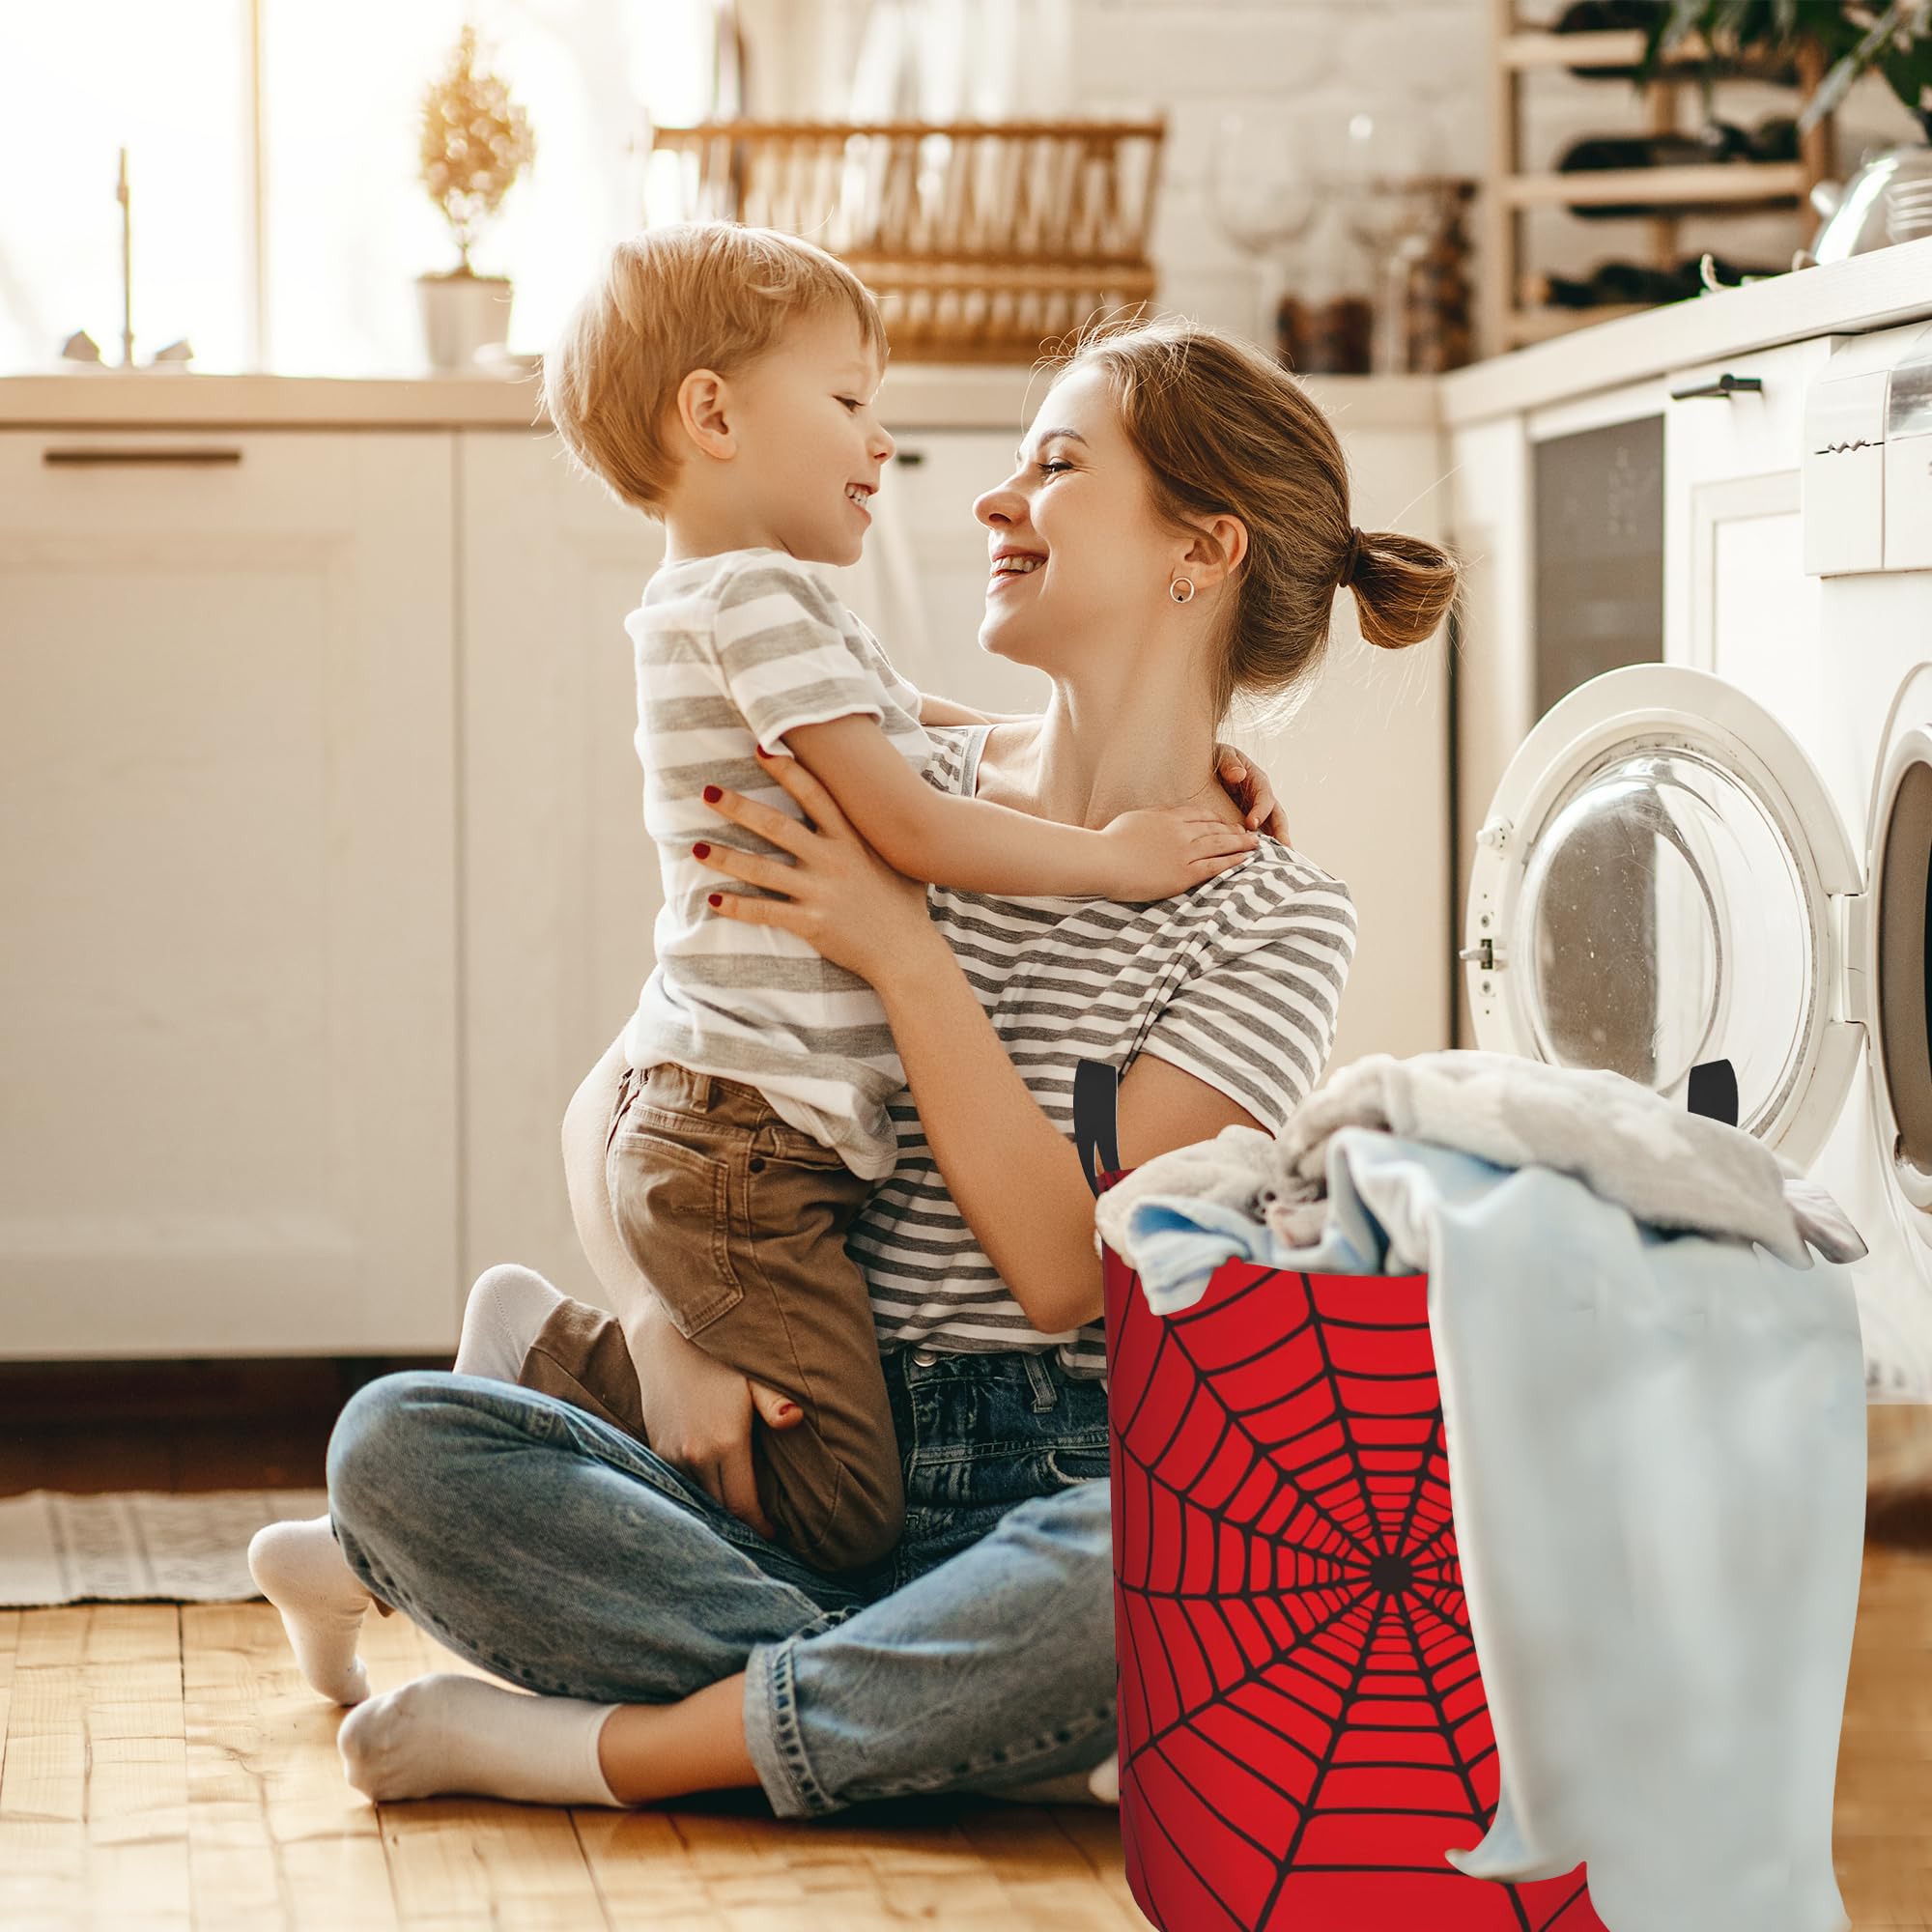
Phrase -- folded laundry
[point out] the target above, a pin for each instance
(1657, 1466)
(1672, 1170)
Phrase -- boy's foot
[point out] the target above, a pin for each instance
(298, 1567)
(449, 1733)
(507, 1307)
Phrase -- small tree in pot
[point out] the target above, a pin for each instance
(477, 143)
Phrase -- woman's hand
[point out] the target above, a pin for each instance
(839, 896)
(700, 1414)
(1247, 784)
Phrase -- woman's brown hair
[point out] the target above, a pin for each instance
(1224, 432)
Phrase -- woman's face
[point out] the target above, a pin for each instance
(1076, 548)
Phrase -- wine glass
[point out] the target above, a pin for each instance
(1379, 172)
(1261, 191)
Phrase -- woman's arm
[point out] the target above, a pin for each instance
(1014, 1176)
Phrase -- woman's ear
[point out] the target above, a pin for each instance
(703, 412)
(1216, 550)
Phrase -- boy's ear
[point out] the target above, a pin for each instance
(704, 411)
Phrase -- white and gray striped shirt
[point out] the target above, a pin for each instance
(1237, 983)
(734, 650)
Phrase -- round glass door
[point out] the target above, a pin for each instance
(1664, 920)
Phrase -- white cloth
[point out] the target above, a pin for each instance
(1671, 1168)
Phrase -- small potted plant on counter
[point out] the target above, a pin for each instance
(475, 143)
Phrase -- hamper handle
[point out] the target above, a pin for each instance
(1096, 1089)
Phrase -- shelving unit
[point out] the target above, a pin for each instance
(1510, 317)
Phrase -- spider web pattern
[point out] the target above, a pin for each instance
(1303, 1727)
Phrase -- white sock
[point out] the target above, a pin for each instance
(449, 1733)
(299, 1568)
(1105, 1780)
(507, 1307)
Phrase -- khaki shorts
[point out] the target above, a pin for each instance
(738, 1222)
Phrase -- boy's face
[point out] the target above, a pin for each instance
(809, 447)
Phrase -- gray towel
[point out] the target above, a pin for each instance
(1671, 1168)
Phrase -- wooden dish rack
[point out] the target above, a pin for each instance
(984, 241)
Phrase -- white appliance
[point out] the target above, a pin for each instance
(1674, 872)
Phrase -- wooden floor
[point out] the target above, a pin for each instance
(164, 1767)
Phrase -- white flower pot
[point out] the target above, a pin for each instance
(462, 313)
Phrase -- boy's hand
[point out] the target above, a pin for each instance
(1156, 854)
(1247, 784)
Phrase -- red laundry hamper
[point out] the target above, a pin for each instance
(1302, 1728)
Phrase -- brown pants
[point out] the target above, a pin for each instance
(738, 1222)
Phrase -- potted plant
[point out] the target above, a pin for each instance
(1853, 36)
(475, 143)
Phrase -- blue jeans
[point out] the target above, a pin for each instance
(562, 1556)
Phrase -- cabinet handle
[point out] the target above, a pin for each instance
(1726, 384)
(911, 457)
(141, 459)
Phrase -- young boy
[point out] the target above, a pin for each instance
(721, 379)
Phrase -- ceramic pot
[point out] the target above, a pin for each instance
(463, 312)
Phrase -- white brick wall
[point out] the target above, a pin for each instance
(1193, 60)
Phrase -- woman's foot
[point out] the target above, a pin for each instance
(507, 1306)
(298, 1567)
(449, 1733)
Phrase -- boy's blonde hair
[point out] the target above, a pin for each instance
(701, 295)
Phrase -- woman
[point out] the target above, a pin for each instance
(1173, 535)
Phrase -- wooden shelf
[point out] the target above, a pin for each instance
(1533, 51)
(1740, 181)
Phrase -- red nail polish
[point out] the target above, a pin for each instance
(716, 899)
(701, 851)
(712, 794)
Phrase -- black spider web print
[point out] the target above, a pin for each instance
(1302, 1725)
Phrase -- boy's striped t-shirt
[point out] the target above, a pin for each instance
(1236, 981)
(732, 651)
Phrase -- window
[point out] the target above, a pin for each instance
(346, 225)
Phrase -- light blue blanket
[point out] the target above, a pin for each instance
(1656, 1467)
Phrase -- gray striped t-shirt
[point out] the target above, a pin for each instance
(1235, 981)
(734, 650)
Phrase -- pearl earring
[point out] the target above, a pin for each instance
(1181, 589)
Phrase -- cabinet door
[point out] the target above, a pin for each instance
(560, 882)
(227, 974)
(1737, 600)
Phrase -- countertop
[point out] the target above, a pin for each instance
(915, 396)
(1876, 291)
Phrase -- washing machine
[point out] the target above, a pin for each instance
(1673, 873)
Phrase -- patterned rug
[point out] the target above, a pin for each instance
(56, 1548)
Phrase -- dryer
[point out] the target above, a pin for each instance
(1666, 876)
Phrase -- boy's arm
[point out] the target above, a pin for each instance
(970, 843)
(945, 711)
(962, 842)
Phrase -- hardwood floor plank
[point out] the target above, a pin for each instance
(92, 1790)
(275, 1838)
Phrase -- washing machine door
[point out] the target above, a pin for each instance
(1900, 868)
(1663, 880)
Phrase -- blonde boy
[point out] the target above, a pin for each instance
(721, 380)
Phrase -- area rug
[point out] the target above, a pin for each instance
(137, 1545)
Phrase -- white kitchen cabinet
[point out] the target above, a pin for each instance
(560, 884)
(1736, 600)
(228, 958)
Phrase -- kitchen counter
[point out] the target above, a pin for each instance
(917, 396)
(1876, 291)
